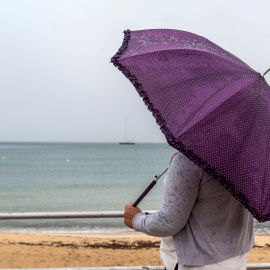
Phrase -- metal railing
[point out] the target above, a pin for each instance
(160, 267)
(95, 214)
(100, 268)
(64, 215)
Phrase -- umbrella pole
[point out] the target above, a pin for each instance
(148, 189)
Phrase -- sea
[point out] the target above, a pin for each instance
(76, 177)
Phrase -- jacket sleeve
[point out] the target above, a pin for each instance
(181, 190)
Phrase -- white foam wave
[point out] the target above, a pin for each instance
(96, 230)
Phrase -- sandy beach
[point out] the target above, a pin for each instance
(61, 250)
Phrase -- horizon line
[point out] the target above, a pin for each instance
(71, 142)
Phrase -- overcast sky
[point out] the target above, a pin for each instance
(56, 80)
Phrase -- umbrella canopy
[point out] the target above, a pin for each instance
(210, 105)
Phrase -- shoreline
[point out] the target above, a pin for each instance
(39, 250)
(108, 231)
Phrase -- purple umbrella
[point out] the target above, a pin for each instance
(210, 105)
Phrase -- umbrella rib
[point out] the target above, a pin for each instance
(265, 72)
(203, 104)
(235, 59)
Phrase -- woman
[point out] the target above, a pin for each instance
(210, 229)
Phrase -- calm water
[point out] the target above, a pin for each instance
(37, 177)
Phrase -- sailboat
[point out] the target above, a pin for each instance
(124, 140)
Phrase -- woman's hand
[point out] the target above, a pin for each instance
(130, 212)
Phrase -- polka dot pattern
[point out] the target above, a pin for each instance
(209, 104)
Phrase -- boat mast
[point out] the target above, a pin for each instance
(124, 139)
(125, 129)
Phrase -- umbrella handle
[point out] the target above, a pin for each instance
(144, 193)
